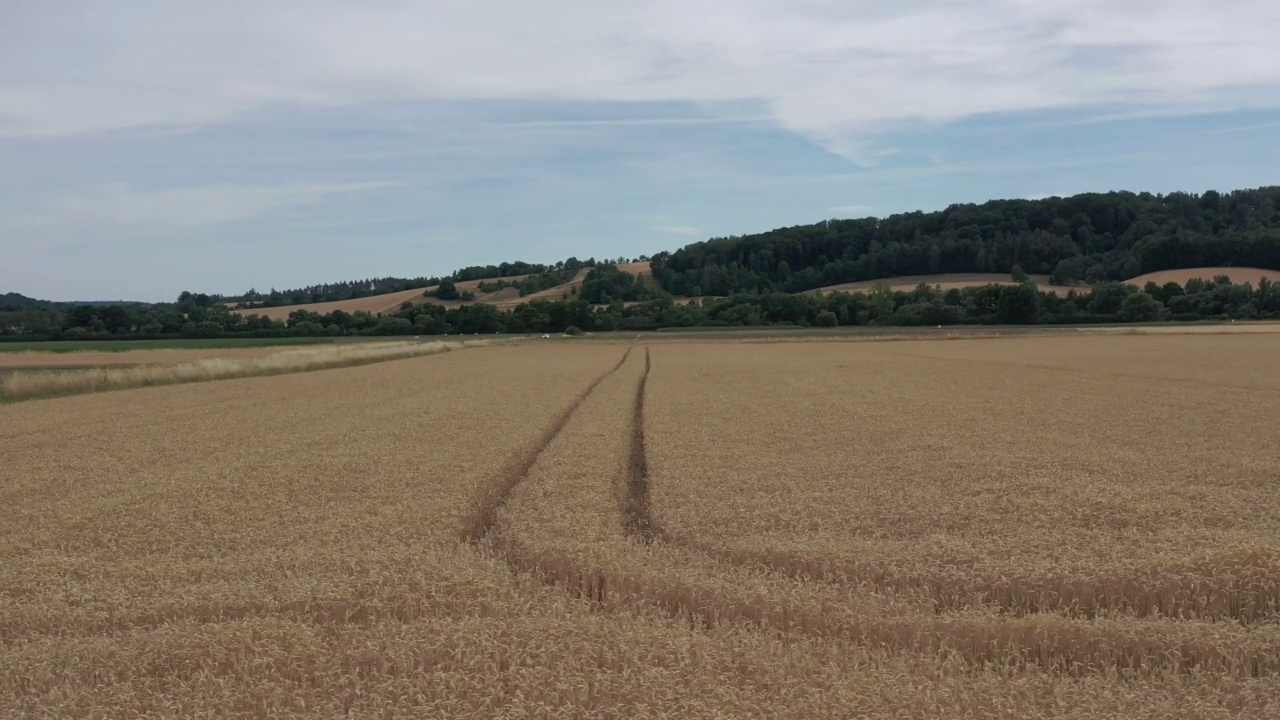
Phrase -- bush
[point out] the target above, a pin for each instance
(827, 319)
(573, 330)
(1019, 275)
(1140, 307)
(448, 290)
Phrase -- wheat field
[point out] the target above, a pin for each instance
(1060, 526)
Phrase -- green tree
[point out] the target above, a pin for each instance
(1019, 305)
(447, 290)
(880, 303)
(1140, 307)
(826, 319)
(1019, 275)
(1108, 298)
(393, 326)
(1066, 272)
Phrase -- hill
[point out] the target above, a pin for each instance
(15, 302)
(1103, 245)
(1091, 237)
(505, 298)
(387, 302)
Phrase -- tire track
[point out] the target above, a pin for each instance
(635, 582)
(636, 507)
(495, 494)
(1245, 590)
(1050, 644)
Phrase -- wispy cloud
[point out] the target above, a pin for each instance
(1246, 128)
(574, 127)
(833, 71)
(191, 206)
(635, 122)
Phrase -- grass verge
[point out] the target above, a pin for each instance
(68, 346)
(34, 385)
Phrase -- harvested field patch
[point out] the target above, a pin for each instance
(907, 283)
(376, 304)
(505, 298)
(1237, 275)
(373, 304)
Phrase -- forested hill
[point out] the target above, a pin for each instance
(1091, 237)
(14, 302)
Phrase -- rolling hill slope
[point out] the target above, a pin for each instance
(510, 297)
(1237, 275)
(507, 297)
(947, 281)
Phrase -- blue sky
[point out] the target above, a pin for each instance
(150, 148)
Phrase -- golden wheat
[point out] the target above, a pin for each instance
(543, 531)
(1109, 479)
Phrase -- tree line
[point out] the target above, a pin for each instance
(1089, 238)
(196, 316)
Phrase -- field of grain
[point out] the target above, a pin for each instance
(1051, 526)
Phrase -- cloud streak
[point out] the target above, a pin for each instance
(831, 70)
(193, 206)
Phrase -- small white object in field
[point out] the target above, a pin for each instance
(939, 327)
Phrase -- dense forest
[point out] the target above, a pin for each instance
(13, 302)
(1090, 238)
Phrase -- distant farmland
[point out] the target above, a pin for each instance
(1238, 276)
(504, 298)
(1060, 525)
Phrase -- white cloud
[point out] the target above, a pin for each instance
(191, 206)
(832, 70)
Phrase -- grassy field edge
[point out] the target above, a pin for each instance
(47, 385)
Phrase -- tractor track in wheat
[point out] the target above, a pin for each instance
(496, 493)
(651, 571)
(636, 505)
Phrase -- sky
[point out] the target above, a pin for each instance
(153, 146)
